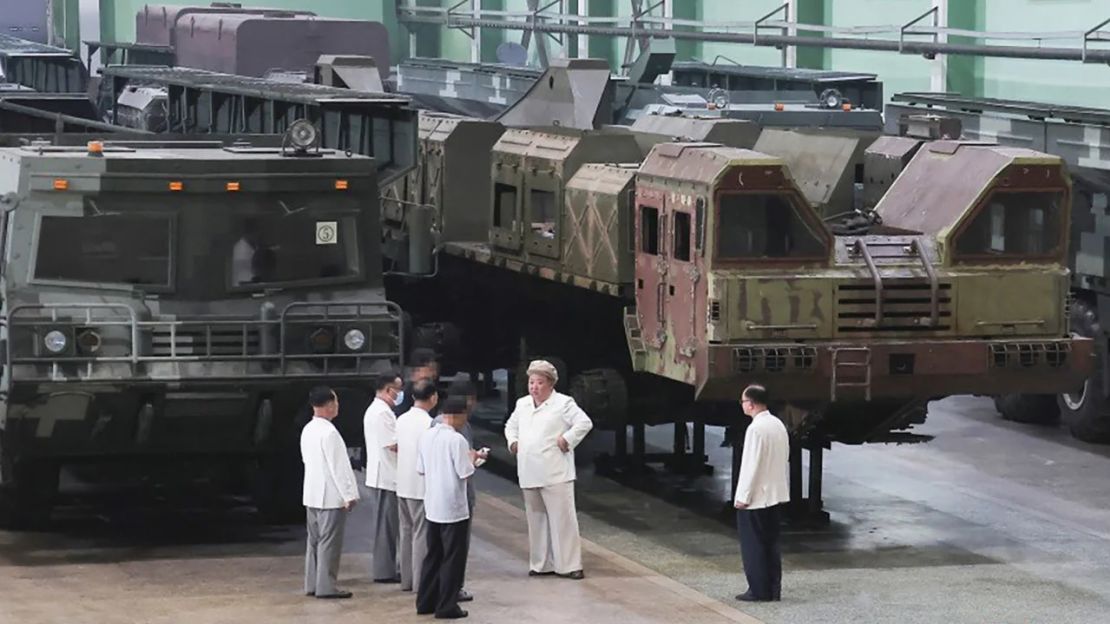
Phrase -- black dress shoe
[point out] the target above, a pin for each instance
(749, 597)
(576, 575)
(339, 595)
(395, 579)
(464, 596)
(534, 573)
(310, 593)
(456, 614)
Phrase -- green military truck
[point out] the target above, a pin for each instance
(176, 301)
(1081, 137)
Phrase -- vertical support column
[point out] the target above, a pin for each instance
(582, 42)
(964, 74)
(810, 12)
(790, 53)
(668, 13)
(639, 447)
(93, 26)
(476, 41)
(938, 72)
(796, 496)
(686, 50)
(491, 37)
(815, 502)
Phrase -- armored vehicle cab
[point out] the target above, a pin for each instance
(651, 130)
(163, 301)
(738, 280)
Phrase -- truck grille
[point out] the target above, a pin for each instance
(205, 342)
(906, 306)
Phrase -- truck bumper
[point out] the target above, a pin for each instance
(899, 369)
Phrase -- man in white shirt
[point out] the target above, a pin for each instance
(410, 483)
(379, 425)
(542, 432)
(447, 462)
(330, 491)
(763, 485)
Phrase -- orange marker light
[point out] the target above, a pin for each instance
(96, 147)
(847, 106)
(176, 186)
(233, 186)
(340, 185)
(60, 184)
(779, 106)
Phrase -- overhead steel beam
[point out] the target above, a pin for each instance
(834, 37)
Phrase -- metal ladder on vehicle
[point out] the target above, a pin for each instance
(837, 368)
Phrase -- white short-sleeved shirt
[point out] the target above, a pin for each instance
(379, 425)
(410, 425)
(444, 460)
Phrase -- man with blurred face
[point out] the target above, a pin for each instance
(463, 390)
(410, 483)
(542, 432)
(330, 491)
(446, 461)
(424, 366)
(379, 425)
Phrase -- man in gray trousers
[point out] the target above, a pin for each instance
(410, 483)
(330, 491)
(379, 425)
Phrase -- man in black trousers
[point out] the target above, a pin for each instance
(763, 485)
(447, 462)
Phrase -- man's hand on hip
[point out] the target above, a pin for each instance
(739, 505)
(564, 446)
(512, 448)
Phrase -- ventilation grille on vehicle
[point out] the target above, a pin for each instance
(906, 306)
(205, 343)
(1029, 354)
(773, 359)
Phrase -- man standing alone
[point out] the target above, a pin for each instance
(379, 425)
(447, 463)
(542, 432)
(330, 491)
(762, 486)
(410, 483)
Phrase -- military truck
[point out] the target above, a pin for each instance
(170, 301)
(1079, 136)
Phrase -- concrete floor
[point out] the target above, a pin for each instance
(990, 522)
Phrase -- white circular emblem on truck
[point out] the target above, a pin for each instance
(327, 232)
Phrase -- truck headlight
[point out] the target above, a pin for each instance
(55, 341)
(354, 340)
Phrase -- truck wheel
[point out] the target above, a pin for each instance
(1036, 409)
(1085, 411)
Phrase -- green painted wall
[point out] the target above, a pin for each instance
(898, 72)
(1051, 81)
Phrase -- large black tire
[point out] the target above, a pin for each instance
(1036, 409)
(1086, 411)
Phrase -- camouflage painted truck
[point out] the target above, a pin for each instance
(173, 302)
(662, 287)
(1081, 137)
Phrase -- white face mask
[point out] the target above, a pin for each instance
(400, 397)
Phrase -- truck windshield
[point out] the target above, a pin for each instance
(293, 244)
(106, 249)
(763, 226)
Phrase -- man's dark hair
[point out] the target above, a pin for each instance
(423, 390)
(321, 396)
(454, 405)
(462, 388)
(423, 357)
(757, 394)
(386, 379)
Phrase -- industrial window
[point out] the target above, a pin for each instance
(1014, 223)
(753, 226)
(504, 206)
(106, 249)
(682, 236)
(545, 217)
(276, 248)
(649, 230)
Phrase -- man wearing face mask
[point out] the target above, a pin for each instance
(380, 427)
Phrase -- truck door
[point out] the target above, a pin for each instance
(684, 279)
(651, 267)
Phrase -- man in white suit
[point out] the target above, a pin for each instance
(330, 491)
(379, 425)
(543, 431)
(763, 485)
(410, 483)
